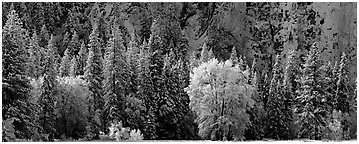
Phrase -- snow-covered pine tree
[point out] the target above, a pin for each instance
(35, 51)
(311, 106)
(74, 44)
(44, 37)
(206, 54)
(64, 69)
(342, 94)
(277, 125)
(83, 53)
(145, 90)
(234, 56)
(93, 75)
(74, 66)
(15, 83)
(257, 114)
(343, 88)
(112, 103)
(48, 92)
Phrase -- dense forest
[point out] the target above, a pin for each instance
(178, 71)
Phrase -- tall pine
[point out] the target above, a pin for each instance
(15, 83)
(145, 90)
(83, 53)
(35, 51)
(343, 93)
(64, 69)
(277, 126)
(93, 75)
(48, 92)
(312, 106)
(113, 82)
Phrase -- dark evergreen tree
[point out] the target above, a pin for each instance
(234, 56)
(93, 75)
(257, 114)
(145, 90)
(34, 63)
(15, 83)
(343, 89)
(47, 116)
(194, 61)
(83, 53)
(65, 41)
(342, 94)
(206, 54)
(311, 106)
(64, 69)
(290, 85)
(44, 37)
(113, 82)
(74, 67)
(278, 120)
(133, 106)
(74, 45)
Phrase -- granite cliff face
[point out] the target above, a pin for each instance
(335, 34)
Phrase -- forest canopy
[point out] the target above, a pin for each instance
(178, 71)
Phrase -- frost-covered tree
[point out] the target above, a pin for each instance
(343, 93)
(35, 52)
(113, 81)
(74, 45)
(312, 106)
(234, 56)
(15, 83)
(278, 119)
(93, 75)
(74, 67)
(44, 37)
(145, 90)
(219, 94)
(343, 89)
(206, 54)
(48, 92)
(83, 53)
(64, 69)
(257, 114)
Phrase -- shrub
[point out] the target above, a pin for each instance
(136, 135)
(8, 131)
(118, 133)
(336, 126)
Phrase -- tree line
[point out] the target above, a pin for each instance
(79, 86)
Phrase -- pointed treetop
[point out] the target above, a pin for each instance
(144, 42)
(12, 7)
(234, 56)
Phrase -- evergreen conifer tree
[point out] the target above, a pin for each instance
(35, 51)
(83, 52)
(113, 81)
(44, 37)
(343, 89)
(64, 69)
(74, 67)
(15, 83)
(234, 57)
(278, 118)
(93, 75)
(48, 93)
(74, 44)
(145, 90)
(257, 114)
(312, 106)
(206, 54)
(342, 94)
